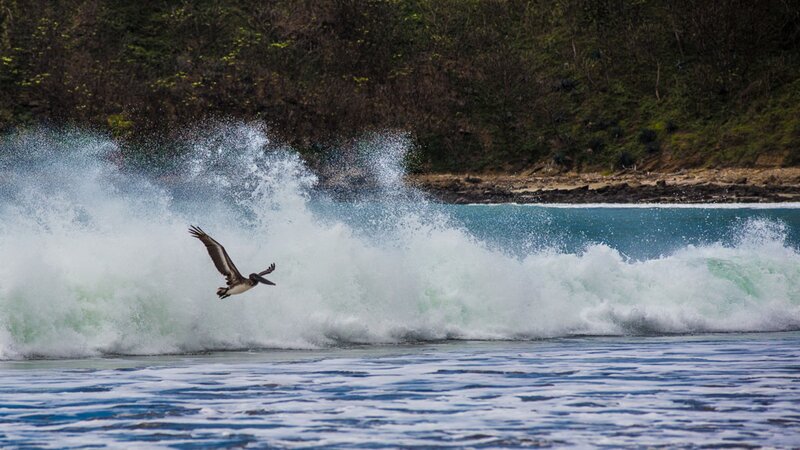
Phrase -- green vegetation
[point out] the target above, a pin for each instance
(481, 85)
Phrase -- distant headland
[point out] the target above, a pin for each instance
(483, 87)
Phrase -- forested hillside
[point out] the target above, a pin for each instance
(480, 85)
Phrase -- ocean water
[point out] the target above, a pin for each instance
(395, 321)
(710, 391)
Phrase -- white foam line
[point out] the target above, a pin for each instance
(788, 205)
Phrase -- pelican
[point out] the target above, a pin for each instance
(236, 282)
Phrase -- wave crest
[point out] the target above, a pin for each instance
(100, 261)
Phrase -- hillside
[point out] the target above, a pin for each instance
(481, 86)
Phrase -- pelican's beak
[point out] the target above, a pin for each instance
(261, 279)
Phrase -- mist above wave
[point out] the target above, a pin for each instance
(98, 260)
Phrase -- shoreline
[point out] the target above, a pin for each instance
(700, 186)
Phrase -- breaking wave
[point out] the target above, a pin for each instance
(97, 260)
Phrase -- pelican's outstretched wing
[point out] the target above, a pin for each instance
(218, 255)
(269, 270)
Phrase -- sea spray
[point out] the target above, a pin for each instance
(97, 259)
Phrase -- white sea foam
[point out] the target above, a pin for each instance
(97, 260)
(785, 205)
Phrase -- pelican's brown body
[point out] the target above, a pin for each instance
(236, 282)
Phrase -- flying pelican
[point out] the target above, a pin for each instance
(236, 282)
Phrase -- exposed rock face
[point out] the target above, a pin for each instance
(706, 186)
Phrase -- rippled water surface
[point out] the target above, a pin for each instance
(735, 390)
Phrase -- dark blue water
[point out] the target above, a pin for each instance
(739, 390)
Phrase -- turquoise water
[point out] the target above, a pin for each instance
(395, 321)
(639, 232)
